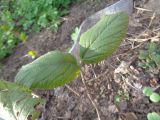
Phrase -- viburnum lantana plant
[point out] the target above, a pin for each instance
(57, 68)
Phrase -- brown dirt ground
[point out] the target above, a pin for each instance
(105, 80)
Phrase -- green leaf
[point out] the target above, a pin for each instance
(156, 58)
(74, 35)
(152, 64)
(103, 38)
(153, 116)
(152, 47)
(144, 54)
(143, 65)
(18, 103)
(147, 91)
(51, 70)
(5, 28)
(155, 97)
(117, 99)
(42, 21)
(23, 36)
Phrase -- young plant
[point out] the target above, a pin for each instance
(154, 97)
(151, 56)
(75, 34)
(121, 96)
(56, 68)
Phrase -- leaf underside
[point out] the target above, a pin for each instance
(51, 70)
(103, 38)
(17, 103)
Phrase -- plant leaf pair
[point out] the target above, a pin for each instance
(154, 97)
(55, 69)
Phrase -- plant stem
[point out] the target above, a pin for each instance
(90, 98)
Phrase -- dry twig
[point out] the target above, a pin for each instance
(143, 9)
(152, 18)
(76, 93)
(101, 75)
(90, 98)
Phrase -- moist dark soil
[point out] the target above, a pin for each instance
(116, 77)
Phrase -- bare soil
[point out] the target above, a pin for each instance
(118, 75)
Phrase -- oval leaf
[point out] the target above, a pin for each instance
(103, 38)
(49, 71)
(147, 91)
(153, 116)
(155, 97)
(18, 103)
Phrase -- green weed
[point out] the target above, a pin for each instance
(150, 58)
(21, 17)
(154, 97)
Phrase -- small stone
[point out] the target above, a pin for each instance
(138, 85)
(122, 68)
(82, 89)
(122, 106)
(112, 109)
(95, 85)
(58, 91)
(82, 108)
(104, 110)
(117, 78)
(103, 96)
(68, 114)
(131, 116)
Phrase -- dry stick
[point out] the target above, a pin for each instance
(156, 29)
(146, 39)
(58, 117)
(143, 9)
(76, 93)
(90, 98)
(93, 72)
(138, 46)
(101, 75)
(152, 18)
